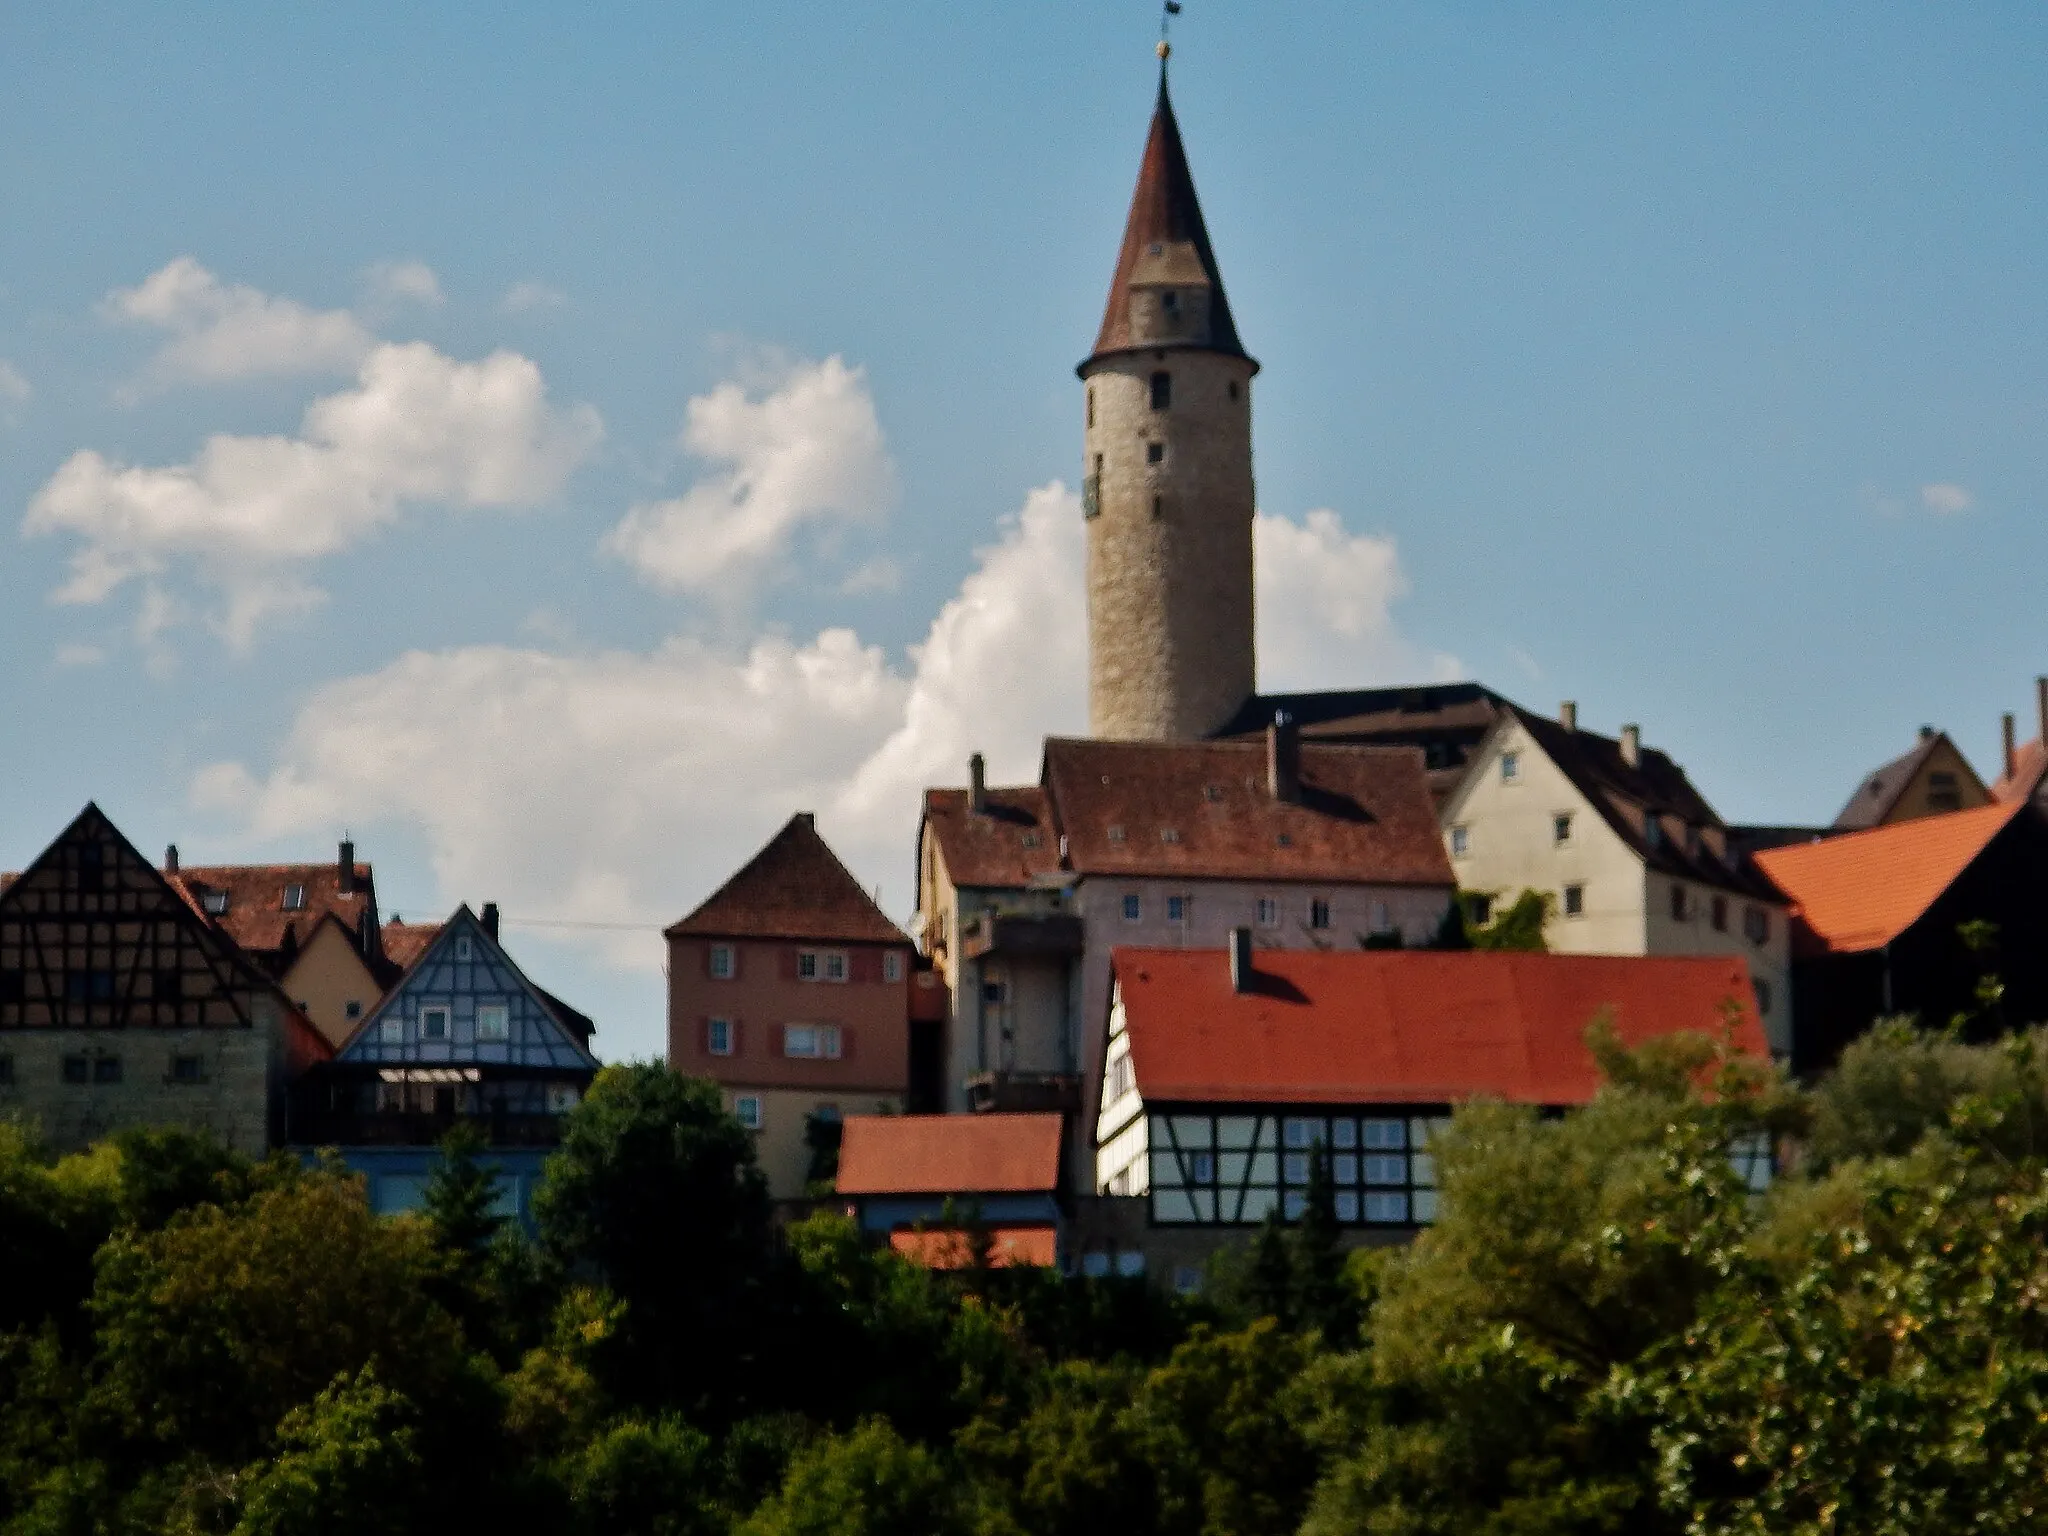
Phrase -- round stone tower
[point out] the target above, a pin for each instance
(1167, 473)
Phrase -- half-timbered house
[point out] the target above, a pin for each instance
(121, 1005)
(464, 1034)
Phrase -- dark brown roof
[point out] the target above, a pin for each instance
(1878, 795)
(1203, 809)
(256, 916)
(1691, 841)
(795, 888)
(1166, 240)
(1010, 842)
(1446, 720)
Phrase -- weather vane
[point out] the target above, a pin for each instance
(1172, 9)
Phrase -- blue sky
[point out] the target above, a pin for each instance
(1688, 362)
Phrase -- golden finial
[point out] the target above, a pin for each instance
(1163, 48)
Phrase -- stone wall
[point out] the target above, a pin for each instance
(229, 1097)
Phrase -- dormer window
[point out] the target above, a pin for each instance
(216, 903)
(1162, 390)
(295, 898)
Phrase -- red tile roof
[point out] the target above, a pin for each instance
(2029, 765)
(1408, 1027)
(1166, 240)
(406, 942)
(950, 1248)
(1203, 809)
(1861, 890)
(256, 916)
(1011, 842)
(949, 1154)
(794, 888)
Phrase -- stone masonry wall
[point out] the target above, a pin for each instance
(230, 1099)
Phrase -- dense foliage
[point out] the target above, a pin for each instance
(1608, 1331)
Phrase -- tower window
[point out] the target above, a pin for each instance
(1091, 407)
(1159, 506)
(1233, 389)
(1155, 453)
(1162, 390)
(1170, 302)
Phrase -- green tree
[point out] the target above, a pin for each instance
(1517, 926)
(346, 1464)
(461, 1200)
(654, 1191)
(167, 1169)
(646, 1478)
(868, 1482)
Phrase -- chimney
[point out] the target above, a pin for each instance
(490, 920)
(1632, 745)
(808, 820)
(977, 784)
(1568, 714)
(2012, 761)
(1927, 733)
(345, 867)
(1283, 760)
(171, 853)
(1240, 960)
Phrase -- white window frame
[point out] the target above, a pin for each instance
(718, 1036)
(501, 1013)
(892, 966)
(1560, 828)
(746, 1108)
(1461, 842)
(464, 949)
(836, 967)
(1319, 907)
(823, 1042)
(391, 1030)
(1268, 911)
(807, 965)
(295, 898)
(447, 1021)
(724, 962)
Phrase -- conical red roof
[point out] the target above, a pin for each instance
(1165, 240)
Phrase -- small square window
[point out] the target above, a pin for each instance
(1155, 453)
(892, 966)
(187, 1069)
(1269, 912)
(747, 1110)
(1756, 925)
(807, 965)
(1763, 995)
(215, 902)
(1479, 907)
(995, 991)
(1510, 767)
(1134, 908)
(1347, 1205)
(1318, 913)
(1385, 1135)
(1169, 834)
(799, 1040)
(1561, 827)
(1717, 914)
(1176, 909)
(77, 1069)
(295, 898)
(1461, 842)
(1680, 906)
(835, 967)
(106, 1069)
(352, 1009)
(721, 962)
(493, 1022)
(434, 1023)
(1574, 900)
(464, 948)
(1202, 1167)
(828, 1041)
(391, 1030)
(718, 1037)
(1116, 834)
(1387, 1208)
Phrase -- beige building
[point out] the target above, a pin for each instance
(1630, 858)
(1931, 779)
(790, 989)
(122, 1006)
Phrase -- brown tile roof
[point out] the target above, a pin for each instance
(2029, 766)
(1166, 240)
(1409, 1026)
(406, 942)
(256, 916)
(1010, 842)
(1879, 793)
(949, 1154)
(1203, 810)
(1447, 720)
(1861, 890)
(794, 888)
(1628, 796)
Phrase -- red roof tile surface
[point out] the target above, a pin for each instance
(794, 888)
(1408, 1027)
(2030, 764)
(950, 1248)
(949, 1154)
(1203, 809)
(256, 916)
(406, 942)
(1011, 842)
(1863, 889)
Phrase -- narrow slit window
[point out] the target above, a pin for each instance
(1162, 390)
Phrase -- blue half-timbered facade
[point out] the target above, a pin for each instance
(462, 1035)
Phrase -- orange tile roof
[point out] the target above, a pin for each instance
(1408, 1027)
(256, 917)
(949, 1154)
(794, 888)
(2029, 764)
(1009, 843)
(1863, 889)
(950, 1248)
(1203, 810)
(406, 942)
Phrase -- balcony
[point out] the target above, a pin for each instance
(1022, 936)
(1024, 1092)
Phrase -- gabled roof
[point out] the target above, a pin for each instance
(256, 916)
(1012, 841)
(949, 1154)
(1204, 810)
(1627, 795)
(794, 888)
(1408, 1026)
(1861, 890)
(1878, 795)
(1165, 241)
(1445, 718)
(406, 942)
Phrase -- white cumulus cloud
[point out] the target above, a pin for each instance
(221, 331)
(806, 450)
(1325, 600)
(249, 512)
(1945, 499)
(402, 282)
(620, 786)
